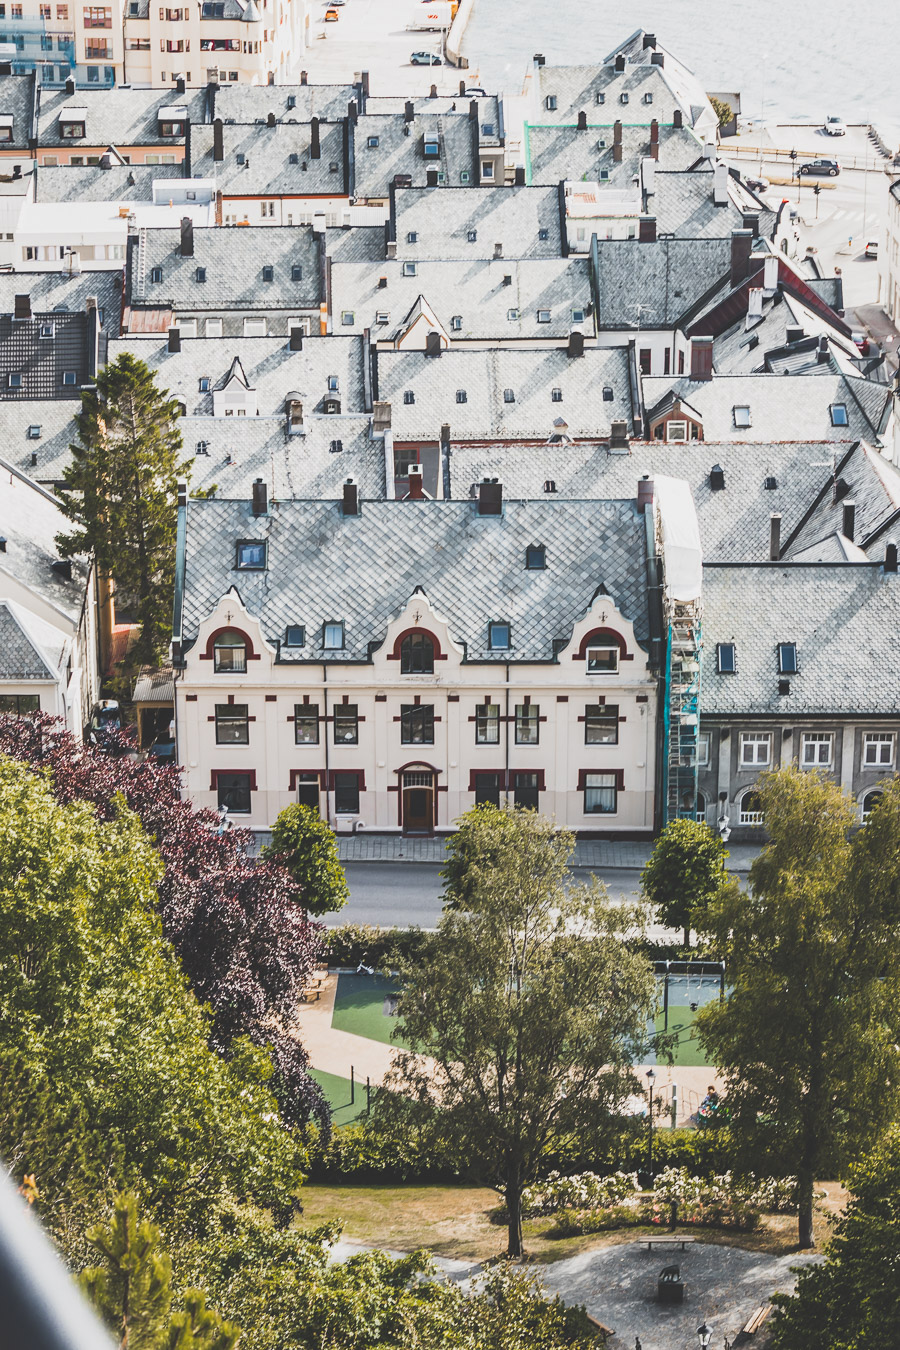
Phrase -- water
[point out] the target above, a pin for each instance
(790, 61)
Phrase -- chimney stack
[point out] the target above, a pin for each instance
(462, 88)
(754, 305)
(617, 141)
(180, 85)
(619, 63)
(350, 500)
(654, 139)
(498, 250)
(314, 148)
(701, 358)
(822, 351)
(720, 186)
(304, 77)
(433, 91)
(890, 557)
(431, 177)
(649, 41)
(647, 230)
(520, 175)
(218, 140)
(408, 112)
(174, 343)
(774, 536)
(657, 58)
(70, 87)
(770, 273)
(645, 493)
(794, 333)
(270, 120)
(741, 246)
(576, 344)
(416, 490)
(751, 223)
(490, 498)
(848, 528)
(677, 119)
(582, 121)
(717, 478)
(296, 340)
(187, 237)
(22, 307)
(260, 498)
(539, 59)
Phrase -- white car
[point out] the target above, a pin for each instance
(834, 126)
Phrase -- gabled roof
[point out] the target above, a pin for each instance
(233, 263)
(20, 658)
(235, 376)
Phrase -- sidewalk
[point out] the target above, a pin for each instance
(594, 853)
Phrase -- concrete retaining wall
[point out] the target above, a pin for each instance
(455, 35)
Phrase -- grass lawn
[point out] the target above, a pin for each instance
(359, 1007)
(337, 1095)
(687, 1051)
(455, 1221)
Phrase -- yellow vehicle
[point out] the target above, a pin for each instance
(331, 16)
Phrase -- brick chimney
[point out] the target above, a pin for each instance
(260, 504)
(416, 488)
(314, 146)
(677, 119)
(645, 493)
(647, 230)
(848, 524)
(617, 140)
(701, 358)
(582, 121)
(741, 247)
(654, 139)
(774, 536)
(187, 237)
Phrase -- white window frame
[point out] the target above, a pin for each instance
(214, 328)
(703, 748)
(748, 817)
(677, 430)
(877, 741)
(817, 740)
(756, 742)
(611, 649)
(186, 327)
(255, 325)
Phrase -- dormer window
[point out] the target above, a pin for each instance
(417, 655)
(608, 394)
(499, 637)
(456, 323)
(472, 236)
(603, 656)
(536, 557)
(204, 384)
(333, 384)
(556, 396)
(726, 658)
(295, 635)
(741, 415)
(509, 396)
(409, 269)
(408, 396)
(200, 274)
(648, 98)
(333, 637)
(601, 98)
(296, 272)
(72, 122)
(839, 416)
(550, 103)
(230, 652)
(268, 274)
(461, 396)
(787, 658)
(156, 274)
(623, 98)
(250, 555)
(549, 485)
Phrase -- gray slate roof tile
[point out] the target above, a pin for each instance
(233, 260)
(19, 658)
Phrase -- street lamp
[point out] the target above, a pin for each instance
(704, 1335)
(651, 1079)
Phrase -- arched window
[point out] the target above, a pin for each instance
(868, 803)
(602, 655)
(417, 655)
(751, 812)
(701, 807)
(230, 651)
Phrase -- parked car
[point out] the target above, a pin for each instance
(822, 166)
(331, 15)
(757, 184)
(424, 59)
(872, 248)
(834, 126)
(106, 716)
(862, 341)
(163, 749)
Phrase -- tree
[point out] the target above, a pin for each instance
(684, 873)
(806, 1039)
(723, 110)
(306, 846)
(121, 489)
(529, 1006)
(237, 925)
(852, 1301)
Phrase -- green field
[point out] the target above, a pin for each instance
(359, 1007)
(337, 1095)
(687, 1052)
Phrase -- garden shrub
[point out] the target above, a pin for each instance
(353, 943)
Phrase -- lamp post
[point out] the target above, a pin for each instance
(704, 1336)
(651, 1079)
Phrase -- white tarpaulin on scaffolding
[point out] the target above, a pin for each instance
(682, 552)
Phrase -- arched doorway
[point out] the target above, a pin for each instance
(417, 799)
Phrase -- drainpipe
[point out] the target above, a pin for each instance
(325, 725)
(506, 724)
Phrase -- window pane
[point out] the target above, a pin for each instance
(417, 724)
(346, 724)
(346, 793)
(417, 655)
(487, 724)
(19, 703)
(498, 636)
(251, 555)
(334, 636)
(234, 792)
(308, 790)
(527, 723)
(600, 794)
(525, 791)
(232, 724)
(230, 652)
(602, 660)
(487, 789)
(601, 724)
(306, 723)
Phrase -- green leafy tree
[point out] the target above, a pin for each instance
(685, 873)
(852, 1301)
(121, 489)
(307, 847)
(528, 1004)
(807, 1038)
(723, 110)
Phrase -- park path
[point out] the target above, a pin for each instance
(335, 1051)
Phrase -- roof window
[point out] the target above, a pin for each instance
(295, 635)
(726, 658)
(204, 384)
(408, 396)
(456, 323)
(200, 274)
(512, 315)
(250, 555)
(296, 272)
(34, 432)
(333, 636)
(372, 142)
(543, 316)
(336, 447)
(472, 236)
(623, 98)
(648, 97)
(498, 637)
(550, 102)
(334, 383)
(333, 166)
(770, 484)
(293, 159)
(487, 129)
(556, 396)
(156, 274)
(741, 415)
(461, 396)
(509, 396)
(240, 157)
(409, 269)
(601, 97)
(536, 557)
(787, 658)
(607, 394)
(268, 274)
(543, 233)
(412, 237)
(578, 316)
(839, 416)
(549, 485)
(348, 318)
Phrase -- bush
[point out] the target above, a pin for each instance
(586, 1191)
(355, 942)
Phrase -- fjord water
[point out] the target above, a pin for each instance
(794, 60)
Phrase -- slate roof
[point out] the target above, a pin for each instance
(375, 166)
(489, 112)
(267, 169)
(669, 277)
(683, 205)
(233, 260)
(17, 102)
(60, 292)
(55, 418)
(325, 566)
(247, 102)
(473, 290)
(90, 183)
(444, 217)
(30, 520)
(121, 116)
(782, 407)
(271, 368)
(238, 451)
(19, 657)
(554, 153)
(844, 618)
(484, 375)
(576, 88)
(361, 244)
(734, 522)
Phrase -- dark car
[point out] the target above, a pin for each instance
(825, 166)
(424, 59)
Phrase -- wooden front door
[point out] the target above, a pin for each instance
(418, 801)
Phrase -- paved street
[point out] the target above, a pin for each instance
(372, 35)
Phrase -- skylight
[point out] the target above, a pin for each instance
(726, 658)
(787, 658)
(741, 414)
(839, 416)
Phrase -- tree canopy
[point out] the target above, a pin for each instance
(525, 1000)
(305, 844)
(121, 490)
(806, 1040)
(684, 873)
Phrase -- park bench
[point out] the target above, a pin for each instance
(670, 1240)
(596, 1325)
(754, 1323)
